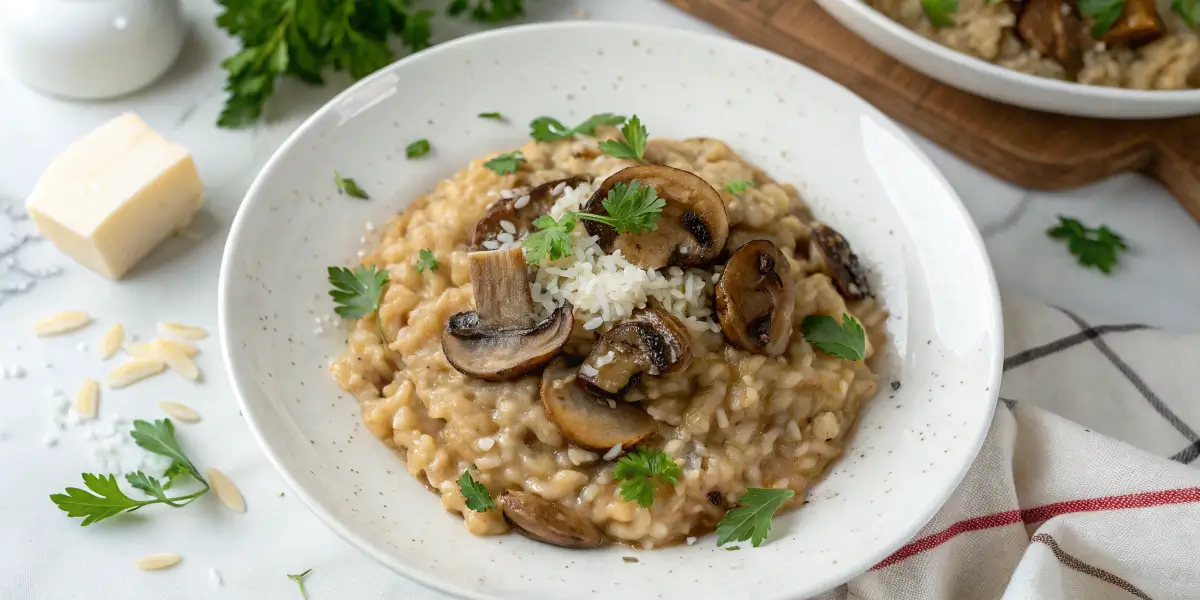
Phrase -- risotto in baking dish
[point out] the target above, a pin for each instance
(598, 338)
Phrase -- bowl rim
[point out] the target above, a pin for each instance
(967, 61)
(241, 388)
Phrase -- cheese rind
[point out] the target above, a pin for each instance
(115, 194)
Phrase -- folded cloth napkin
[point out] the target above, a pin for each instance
(1082, 488)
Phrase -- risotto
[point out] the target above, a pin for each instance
(1144, 45)
(687, 348)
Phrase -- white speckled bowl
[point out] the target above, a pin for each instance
(855, 167)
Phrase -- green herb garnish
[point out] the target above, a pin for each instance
(474, 493)
(641, 471)
(299, 579)
(547, 129)
(752, 520)
(104, 497)
(1104, 13)
(425, 260)
(349, 187)
(495, 116)
(634, 144)
(303, 39)
(417, 149)
(940, 12)
(357, 293)
(631, 208)
(505, 163)
(1097, 247)
(1189, 10)
(843, 340)
(738, 186)
(551, 241)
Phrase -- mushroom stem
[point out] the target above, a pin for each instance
(501, 287)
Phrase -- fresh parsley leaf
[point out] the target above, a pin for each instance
(940, 12)
(1104, 13)
(843, 340)
(425, 260)
(634, 144)
(475, 493)
(495, 116)
(641, 471)
(356, 293)
(752, 520)
(506, 163)
(299, 579)
(1099, 247)
(738, 186)
(1189, 10)
(349, 187)
(547, 129)
(632, 207)
(104, 498)
(417, 149)
(304, 38)
(552, 241)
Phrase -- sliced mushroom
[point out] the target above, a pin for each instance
(501, 339)
(829, 250)
(1139, 24)
(586, 420)
(691, 232)
(541, 198)
(755, 299)
(1053, 28)
(652, 341)
(539, 519)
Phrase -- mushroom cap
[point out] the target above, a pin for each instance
(832, 252)
(691, 232)
(541, 198)
(498, 354)
(755, 298)
(651, 341)
(588, 421)
(539, 519)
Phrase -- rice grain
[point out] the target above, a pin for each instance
(60, 323)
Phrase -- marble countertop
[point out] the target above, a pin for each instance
(1158, 282)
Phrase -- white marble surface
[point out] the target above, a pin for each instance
(46, 555)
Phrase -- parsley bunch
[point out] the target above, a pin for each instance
(104, 497)
(304, 38)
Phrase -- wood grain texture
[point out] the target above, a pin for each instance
(1029, 148)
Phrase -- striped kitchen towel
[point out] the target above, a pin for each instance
(1083, 489)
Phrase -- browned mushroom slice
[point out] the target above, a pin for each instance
(691, 232)
(586, 420)
(755, 299)
(541, 198)
(831, 251)
(1139, 24)
(501, 339)
(1053, 28)
(539, 519)
(652, 341)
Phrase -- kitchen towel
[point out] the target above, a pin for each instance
(1083, 489)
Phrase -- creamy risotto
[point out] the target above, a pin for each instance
(688, 348)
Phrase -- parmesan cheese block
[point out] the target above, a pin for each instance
(115, 194)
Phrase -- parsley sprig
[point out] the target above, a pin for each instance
(495, 116)
(1099, 247)
(349, 187)
(940, 12)
(104, 497)
(303, 39)
(474, 493)
(357, 293)
(506, 163)
(738, 186)
(548, 129)
(641, 471)
(843, 340)
(417, 149)
(1189, 10)
(426, 260)
(632, 208)
(752, 520)
(633, 146)
(1103, 12)
(299, 579)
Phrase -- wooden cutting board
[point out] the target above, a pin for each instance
(1029, 148)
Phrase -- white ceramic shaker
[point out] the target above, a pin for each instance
(90, 49)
